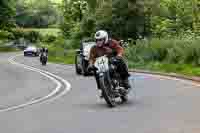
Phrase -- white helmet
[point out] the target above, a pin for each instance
(101, 34)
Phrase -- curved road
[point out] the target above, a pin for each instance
(161, 105)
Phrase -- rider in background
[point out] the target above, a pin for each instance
(108, 46)
(43, 51)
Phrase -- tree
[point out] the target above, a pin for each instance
(7, 12)
(74, 12)
(36, 14)
(196, 15)
(123, 19)
(92, 4)
(135, 18)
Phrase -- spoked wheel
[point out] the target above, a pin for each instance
(107, 92)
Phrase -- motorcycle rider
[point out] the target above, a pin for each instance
(43, 51)
(107, 46)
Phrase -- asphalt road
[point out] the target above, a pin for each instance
(161, 105)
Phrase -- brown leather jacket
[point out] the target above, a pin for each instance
(105, 50)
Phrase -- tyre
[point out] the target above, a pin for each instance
(77, 65)
(85, 66)
(106, 91)
(44, 63)
(41, 59)
(44, 60)
(124, 98)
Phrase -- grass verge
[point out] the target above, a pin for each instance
(4, 48)
(68, 58)
(44, 31)
(171, 57)
(184, 69)
(8, 49)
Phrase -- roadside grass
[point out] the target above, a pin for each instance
(44, 31)
(168, 56)
(67, 58)
(4, 48)
(184, 69)
(8, 49)
(60, 51)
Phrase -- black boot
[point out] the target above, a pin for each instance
(126, 84)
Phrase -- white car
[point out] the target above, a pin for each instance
(86, 49)
(82, 58)
(31, 51)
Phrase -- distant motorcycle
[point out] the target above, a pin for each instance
(43, 58)
(109, 81)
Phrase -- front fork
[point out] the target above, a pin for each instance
(97, 77)
(108, 81)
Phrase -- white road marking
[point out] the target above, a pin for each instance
(44, 73)
(172, 78)
(67, 84)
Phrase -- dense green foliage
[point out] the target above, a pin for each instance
(156, 53)
(132, 18)
(167, 31)
(7, 12)
(37, 14)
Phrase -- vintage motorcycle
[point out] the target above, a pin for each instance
(105, 72)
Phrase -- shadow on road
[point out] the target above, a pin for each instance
(101, 105)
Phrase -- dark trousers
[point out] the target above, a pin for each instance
(122, 68)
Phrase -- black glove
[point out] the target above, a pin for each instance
(116, 59)
(90, 67)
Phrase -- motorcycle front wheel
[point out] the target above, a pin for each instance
(44, 60)
(106, 91)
